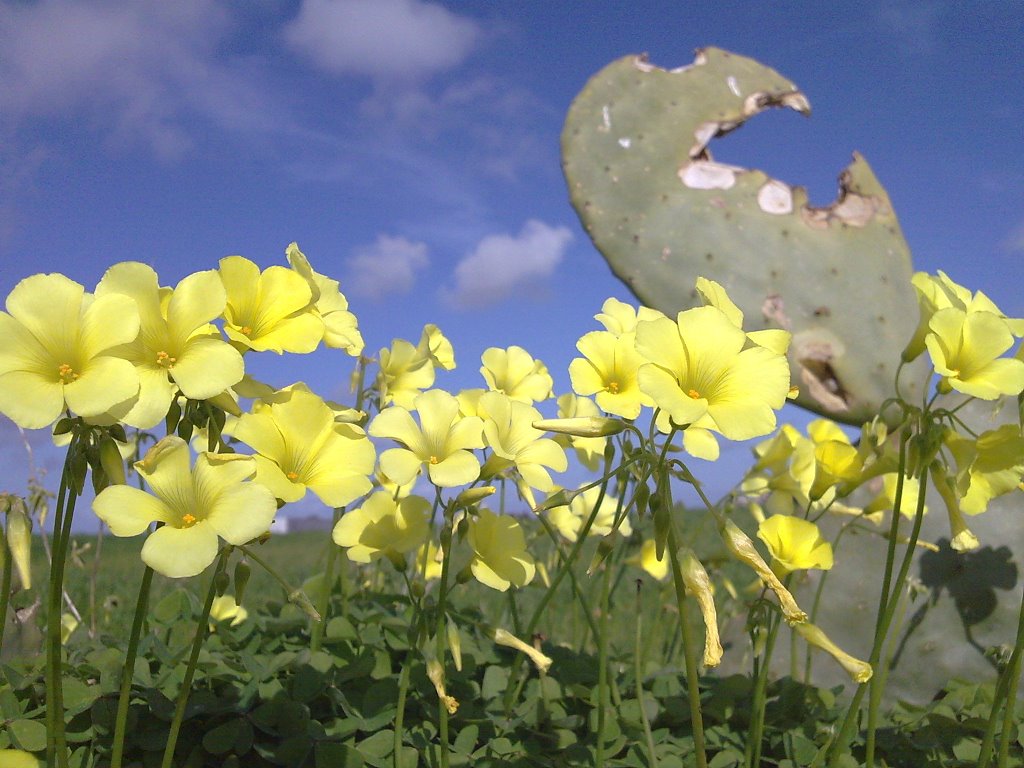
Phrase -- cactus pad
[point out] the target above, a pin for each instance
(662, 212)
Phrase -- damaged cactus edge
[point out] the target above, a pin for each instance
(662, 211)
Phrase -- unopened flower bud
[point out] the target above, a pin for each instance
(558, 499)
(455, 643)
(299, 598)
(604, 548)
(506, 638)
(241, 578)
(742, 548)
(111, 461)
(471, 496)
(436, 674)
(19, 541)
(582, 426)
(226, 403)
(859, 670)
(699, 585)
(62, 427)
(221, 582)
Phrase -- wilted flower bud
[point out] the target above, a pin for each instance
(436, 674)
(506, 638)
(471, 496)
(859, 670)
(743, 549)
(699, 585)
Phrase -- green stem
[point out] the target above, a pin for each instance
(440, 637)
(1008, 682)
(881, 630)
(403, 690)
(5, 589)
(55, 704)
(316, 632)
(128, 673)
(186, 685)
(638, 674)
(760, 692)
(516, 680)
(602, 668)
(689, 653)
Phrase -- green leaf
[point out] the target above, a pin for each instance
(331, 754)
(29, 735)
(222, 739)
(339, 628)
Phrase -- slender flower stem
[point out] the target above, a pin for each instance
(186, 685)
(121, 721)
(689, 653)
(440, 637)
(403, 691)
(638, 674)
(881, 630)
(1008, 682)
(760, 688)
(55, 704)
(602, 668)
(515, 678)
(316, 632)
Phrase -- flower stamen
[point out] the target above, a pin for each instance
(165, 360)
(293, 475)
(188, 520)
(613, 387)
(693, 393)
(434, 460)
(66, 373)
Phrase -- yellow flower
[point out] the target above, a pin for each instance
(648, 560)
(16, 758)
(340, 326)
(404, 372)
(224, 608)
(300, 445)
(195, 506)
(938, 293)
(795, 544)
(859, 671)
(965, 348)
(608, 370)
(500, 558)
(885, 501)
(515, 373)
(435, 346)
(700, 367)
(698, 584)
(506, 638)
(837, 460)
(68, 625)
(442, 442)
(569, 520)
(57, 351)
(428, 561)
(383, 527)
(620, 318)
(509, 432)
(784, 470)
(990, 466)
(743, 549)
(714, 295)
(177, 348)
(273, 310)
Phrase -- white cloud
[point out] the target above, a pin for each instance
(140, 71)
(505, 264)
(1014, 241)
(387, 267)
(913, 26)
(388, 40)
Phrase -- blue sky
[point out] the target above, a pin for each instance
(411, 148)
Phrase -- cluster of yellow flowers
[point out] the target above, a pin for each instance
(138, 354)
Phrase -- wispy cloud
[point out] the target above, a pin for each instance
(137, 71)
(503, 265)
(914, 26)
(388, 266)
(1014, 241)
(386, 40)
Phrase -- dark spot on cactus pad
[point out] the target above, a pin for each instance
(822, 312)
(708, 256)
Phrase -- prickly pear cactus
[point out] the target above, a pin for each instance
(662, 212)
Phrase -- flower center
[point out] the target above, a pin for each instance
(613, 387)
(247, 330)
(67, 373)
(434, 460)
(165, 360)
(188, 520)
(694, 394)
(293, 475)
